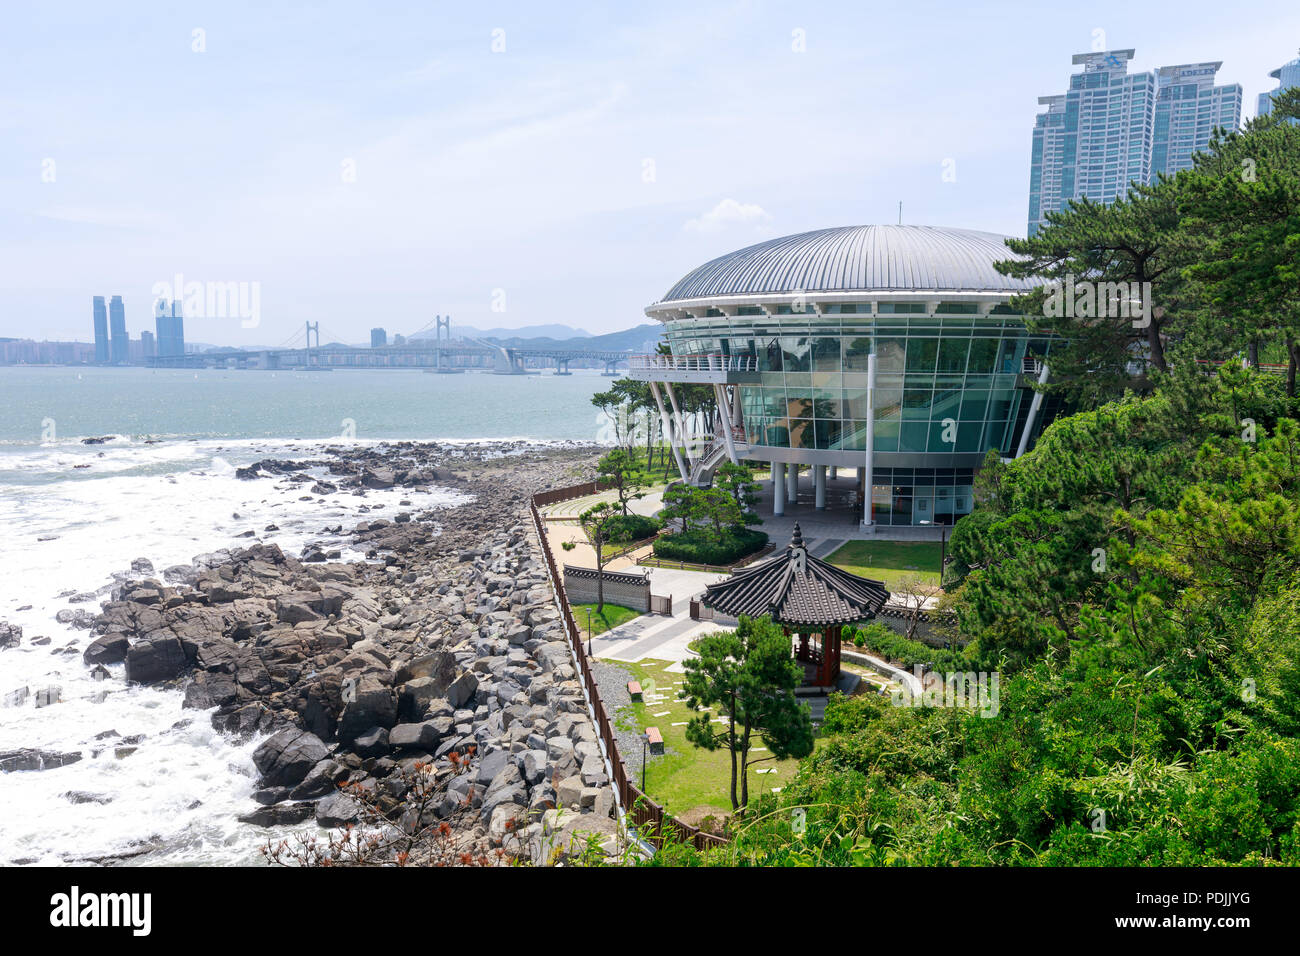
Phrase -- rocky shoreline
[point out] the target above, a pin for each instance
(445, 640)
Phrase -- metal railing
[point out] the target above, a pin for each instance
(713, 362)
(655, 824)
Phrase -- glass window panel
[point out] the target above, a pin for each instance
(921, 355)
(801, 434)
(795, 353)
(913, 436)
(916, 403)
(856, 350)
(827, 403)
(886, 436)
(889, 355)
(826, 354)
(983, 353)
(799, 406)
(974, 403)
(952, 354)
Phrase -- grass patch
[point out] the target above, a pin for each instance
(890, 561)
(686, 777)
(612, 616)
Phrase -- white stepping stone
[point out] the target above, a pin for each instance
(663, 713)
(680, 723)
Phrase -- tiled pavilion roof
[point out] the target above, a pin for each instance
(798, 590)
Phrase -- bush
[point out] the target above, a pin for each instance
(624, 528)
(698, 547)
(892, 646)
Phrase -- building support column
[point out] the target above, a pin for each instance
(668, 432)
(724, 419)
(1032, 419)
(835, 472)
(778, 490)
(819, 486)
(868, 474)
(792, 482)
(677, 418)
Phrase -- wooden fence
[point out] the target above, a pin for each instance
(649, 818)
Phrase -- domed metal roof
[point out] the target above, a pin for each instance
(857, 259)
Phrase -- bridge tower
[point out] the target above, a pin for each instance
(312, 327)
(444, 322)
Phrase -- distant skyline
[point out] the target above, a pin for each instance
(370, 167)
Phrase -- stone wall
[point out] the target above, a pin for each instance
(627, 588)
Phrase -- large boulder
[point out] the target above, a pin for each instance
(30, 759)
(285, 759)
(11, 635)
(373, 704)
(280, 814)
(109, 649)
(422, 736)
(337, 810)
(157, 657)
(462, 689)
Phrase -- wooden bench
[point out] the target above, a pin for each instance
(634, 689)
(655, 739)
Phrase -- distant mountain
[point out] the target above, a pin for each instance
(642, 338)
(527, 332)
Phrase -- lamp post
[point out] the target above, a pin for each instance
(943, 548)
(645, 745)
(589, 632)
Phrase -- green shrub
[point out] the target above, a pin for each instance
(625, 528)
(697, 547)
(891, 645)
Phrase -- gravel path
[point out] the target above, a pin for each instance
(612, 681)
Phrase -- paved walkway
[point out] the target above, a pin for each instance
(840, 519)
(659, 636)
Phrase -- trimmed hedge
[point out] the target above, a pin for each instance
(894, 647)
(697, 548)
(625, 528)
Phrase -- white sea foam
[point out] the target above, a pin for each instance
(68, 531)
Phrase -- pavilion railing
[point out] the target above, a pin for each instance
(714, 362)
(649, 818)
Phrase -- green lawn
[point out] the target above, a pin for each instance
(688, 779)
(890, 561)
(612, 616)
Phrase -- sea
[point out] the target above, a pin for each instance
(162, 486)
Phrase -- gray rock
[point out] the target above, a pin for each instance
(31, 759)
(336, 810)
(535, 765)
(285, 759)
(426, 736)
(372, 743)
(158, 657)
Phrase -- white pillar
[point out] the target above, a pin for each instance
(819, 486)
(677, 420)
(778, 490)
(868, 476)
(835, 472)
(668, 432)
(792, 482)
(724, 419)
(1032, 418)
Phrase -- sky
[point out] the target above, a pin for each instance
(514, 164)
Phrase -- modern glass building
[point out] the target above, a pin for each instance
(120, 341)
(1113, 128)
(1287, 76)
(101, 329)
(788, 331)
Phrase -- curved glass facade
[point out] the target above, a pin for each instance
(951, 384)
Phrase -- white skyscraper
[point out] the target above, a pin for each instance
(1113, 128)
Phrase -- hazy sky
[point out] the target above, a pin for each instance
(375, 164)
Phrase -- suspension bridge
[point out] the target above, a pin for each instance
(442, 353)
